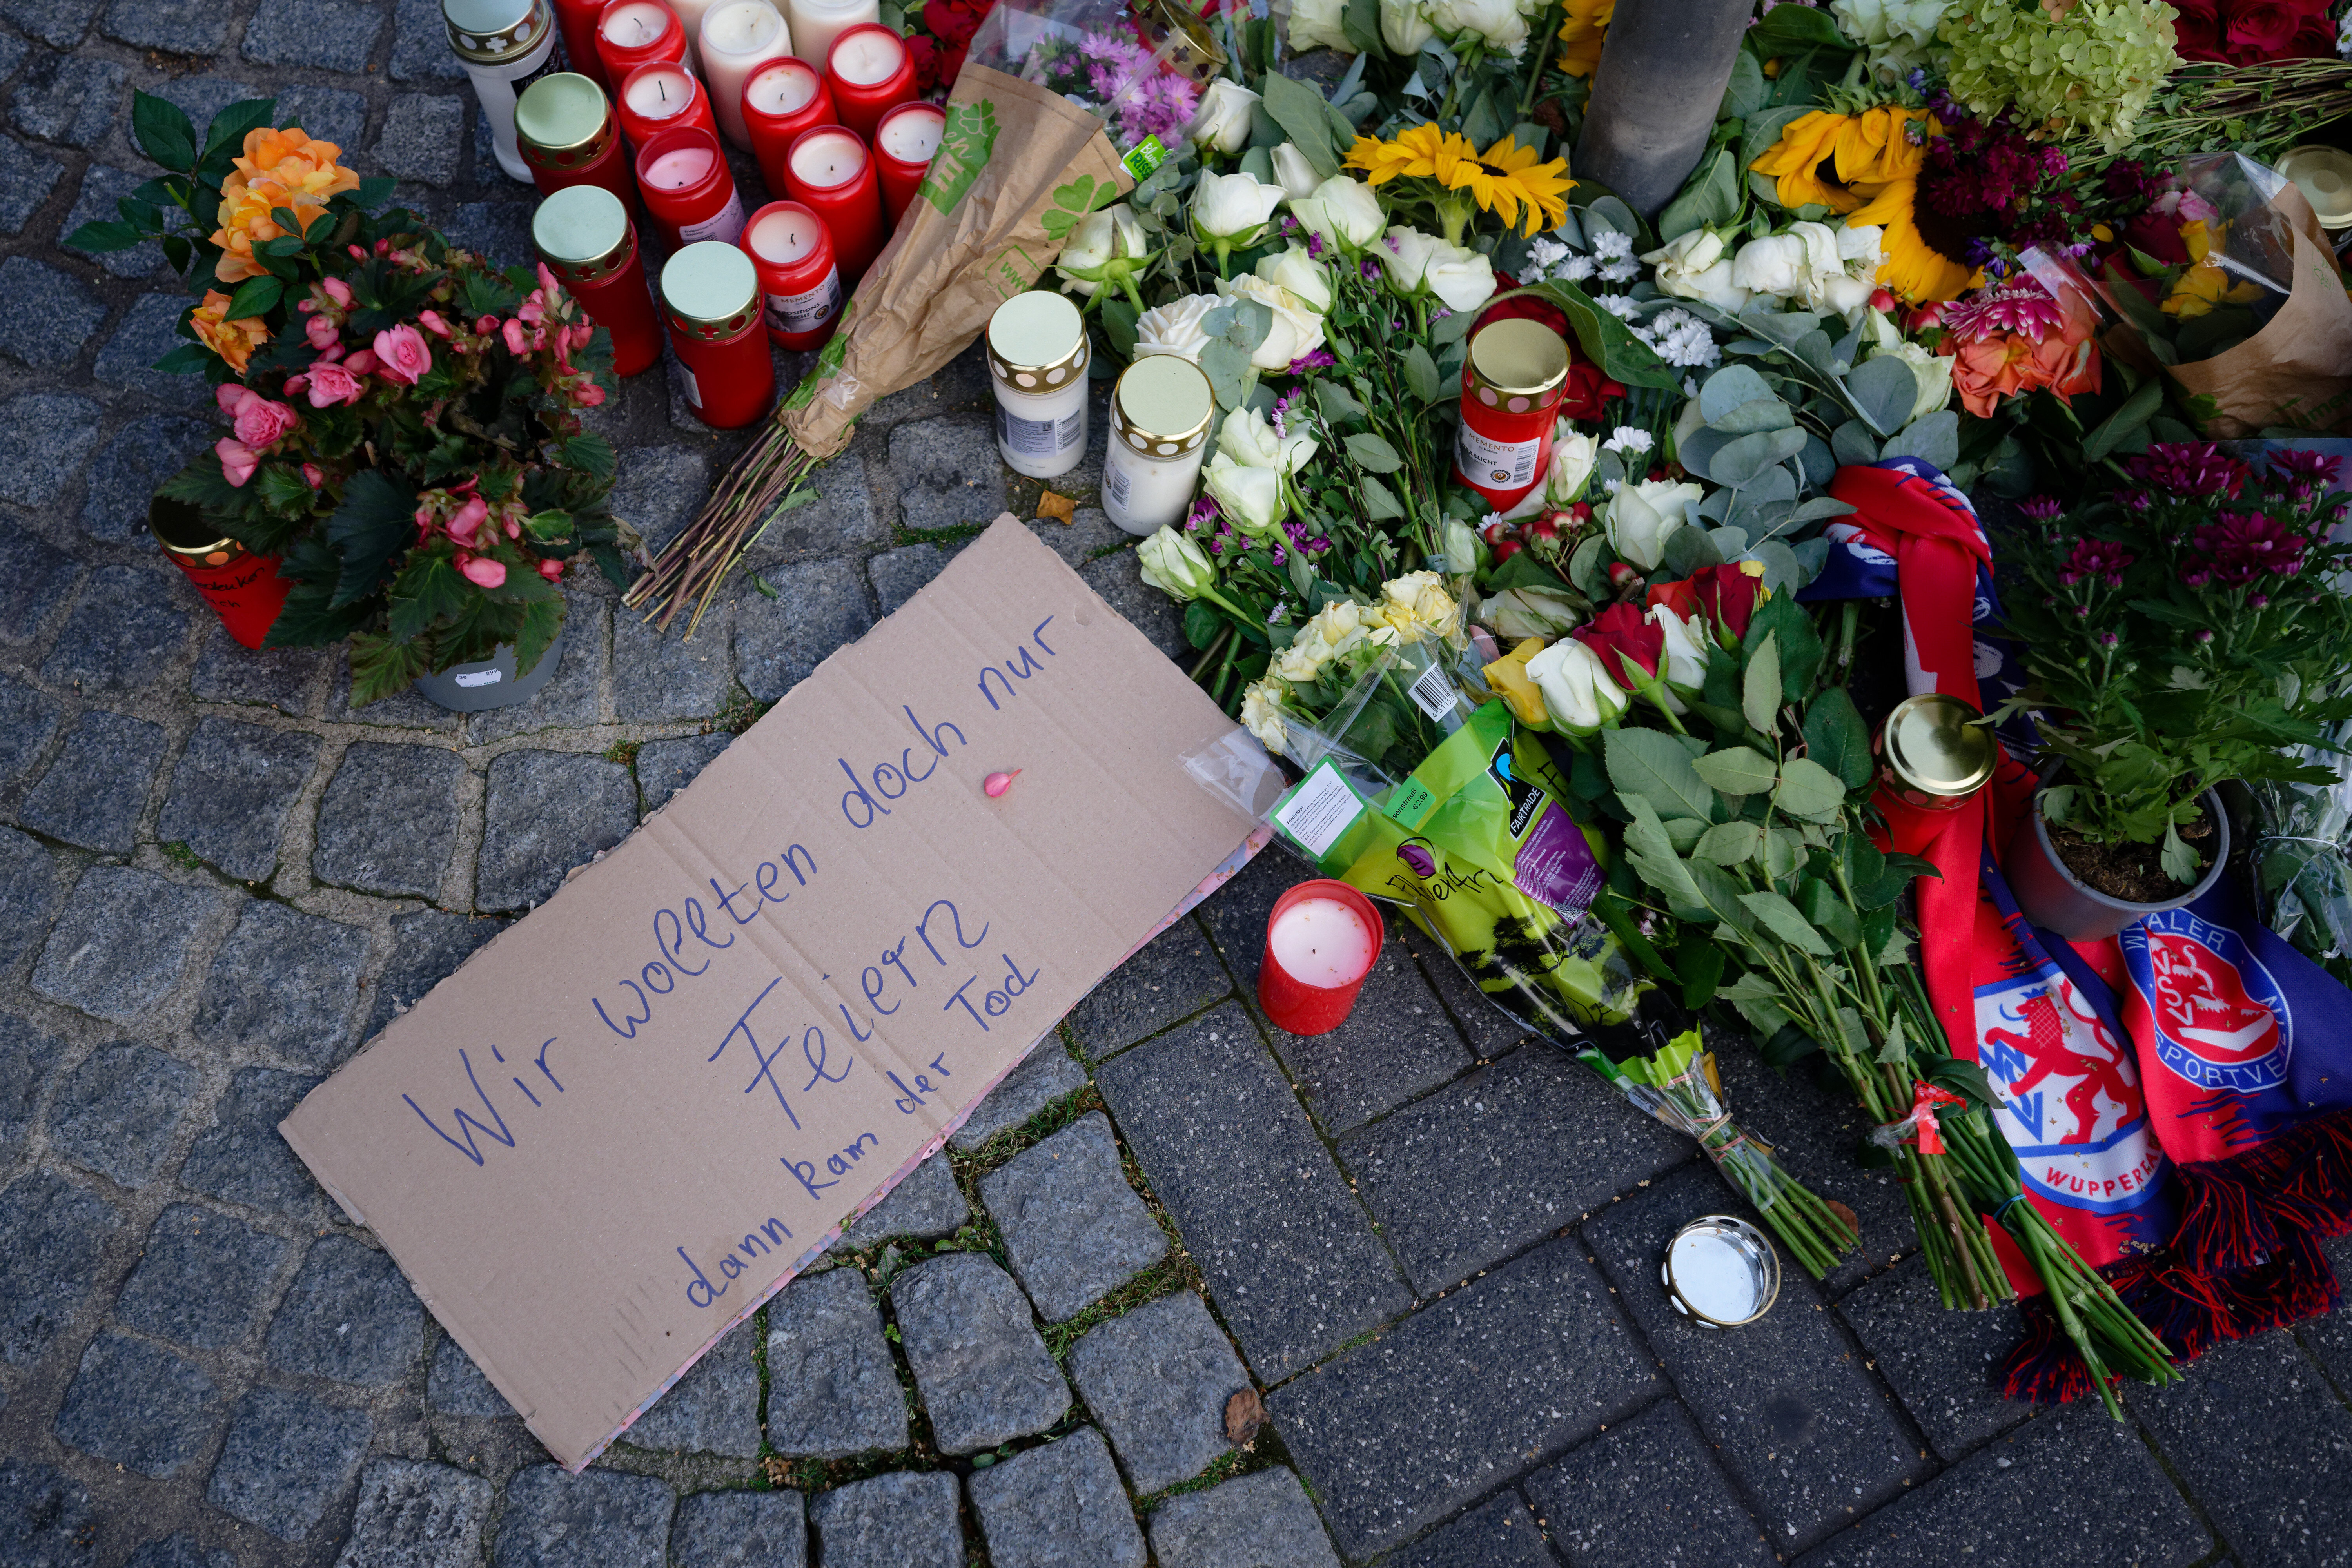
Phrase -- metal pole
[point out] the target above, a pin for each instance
(1661, 75)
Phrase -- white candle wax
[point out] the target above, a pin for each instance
(633, 25)
(816, 22)
(823, 159)
(781, 88)
(868, 59)
(738, 38)
(659, 94)
(784, 236)
(1321, 942)
(689, 17)
(677, 170)
(912, 137)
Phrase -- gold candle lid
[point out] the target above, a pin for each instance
(1161, 406)
(183, 531)
(1939, 745)
(1516, 363)
(711, 290)
(2324, 175)
(1037, 341)
(582, 234)
(492, 32)
(562, 121)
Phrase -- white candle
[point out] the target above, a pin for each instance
(782, 235)
(816, 22)
(678, 170)
(659, 94)
(1321, 942)
(781, 87)
(912, 137)
(868, 59)
(631, 25)
(829, 157)
(738, 38)
(689, 17)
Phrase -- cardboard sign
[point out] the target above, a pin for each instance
(637, 1112)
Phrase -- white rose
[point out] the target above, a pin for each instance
(1315, 24)
(1417, 604)
(1687, 644)
(1773, 265)
(1643, 516)
(1496, 23)
(1577, 690)
(1301, 274)
(1898, 37)
(1404, 25)
(1933, 372)
(1232, 209)
(1101, 238)
(1224, 121)
(1298, 327)
(1573, 453)
(1694, 266)
(1344, 212)
(1249, 439)
(1175, 327)
(1520, 613)
(1417, 265)
(1337, 628)
(1262, 709)
(1250, 499)
(1293, 173)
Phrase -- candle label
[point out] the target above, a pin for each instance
(1323, 806)
(1039, 438)
(806, 312)
(724, 225)
(693, 387)
(1500, 465)
(1116, 484)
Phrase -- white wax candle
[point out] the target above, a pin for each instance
(823, 159)
(638, 24)
(738, 38)
(816, 22)
(659, 94)
(1321, 942)
(689, 17)
(868, 59)
(912, 135)
(782, 235)
(781, 88)
(677, 170)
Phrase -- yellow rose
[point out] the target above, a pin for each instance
(1418, 606)
(1508, 677)
(279, 168)
(232, 340)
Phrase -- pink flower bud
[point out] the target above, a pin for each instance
(551, 570)
(487, 325)
(238, 461)
(996, 784)
(467, 521)
(517, 344)
(321, 332)
(338, 290)
(432, 323)
(481, 572)
(313, 476)
(356, 253)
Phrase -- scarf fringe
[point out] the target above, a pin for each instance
(2238, 1213)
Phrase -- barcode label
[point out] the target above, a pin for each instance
(1037, 437)
(1115, 483)
(1319, 810)
(1433, 693)
(1500, 464)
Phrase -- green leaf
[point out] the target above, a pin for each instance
(1895, 1053)
(1421, 373)
(1361, 22)
(1785, 621)
(1747, 459)
(1779, 917)
(1820, 904)
(1227, 367)
(101, 238)
(1381, 502)
(1607, 340)
(1201, 624)
(1934, 438)
(1372, 453)
(2126, 421)
(376, 521)
(1652, 854)
(1966, 1080)
(1710, 196)
(1736, 770)
(230, 127)
(1733, 386)
(161, 129)
(428, 589)
(1809, 790)
(1836, 738)
(1786, 1046)
(1651, 765)
(1883, 391)
(1759, 688)
(254, 297)
(2181, 862)
(1731, 844)
(1796, 29)
(1298, 108)
(1119, 319)
(1338, 405)
(589, 453)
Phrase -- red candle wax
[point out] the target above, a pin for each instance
(632, 33)
(585, 235)
(780, 100)
(710, 295)
(794, 253)
(871, 73)
(830, 174)
(576, 20)
(243, 589)
(688, 190)
(1322, 940)
(1513, 379)
(903, 145)
(661, 97)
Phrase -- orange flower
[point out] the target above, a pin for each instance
(279, 168)
(232, 340)
(1990, 371)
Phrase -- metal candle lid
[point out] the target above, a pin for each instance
(562, 121)
(1037, 341)
(1515, 364)
(492, 32)
(2324, 175)
(583, 232)
(1161, 406)
(183, 531)
(1720, 1272)
(711, 289)
(1937, 744)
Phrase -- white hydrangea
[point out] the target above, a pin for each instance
(1610, 245)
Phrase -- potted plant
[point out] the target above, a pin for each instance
(406, 433)
(2179, 635)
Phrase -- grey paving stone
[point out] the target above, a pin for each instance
(984, 1375)
(327, 113)
(413, 1514)
(203, 1280)
(906, 1518)
(1290, 1257)
(545, 813)
(1157, 1380)
(500, 231)
(141, 1407)
(658, 678)
(180, 1550)
(949, 473)
(26, 1055)
(44, 438)
(29, 717)
(231, 792)
(740, 1530)
(27, 892)
(349, 1315)
(284, 982)
(26, 181)
(843, 518)
(2329, 1339)
(287, 1458)
(146, 335)
(335, 34)
(455, 1386)
(388, 822)
(1175, 973)
(50, 1236)
(420, 44)
(143, 454)
(1653, 1468)
(126, 627)
(93, 793)
(1499, 1534)
(115, 1112)
(713, 1409)
(1490, 1030)
(240, 1158)
(279, 678)
(899, 574)
(201, 95)
(572, 697)
(659, 490)
(35, 576)
(1788, 1407)
(48, 316)
(1259, 1522)
(665, 767)
(1046, 1074)
(180, 26)
(2072, 1487)
(2248, 1428)
(928, 1203)
(832, 1389)
(1396, 1044)
(123, 942)
(103, 187)
(1939, 1363)
(426, 949)
(818, 607)
(46, 1517)
(1055, 1505)
(58, 23)
(1467, 1393)
(1120, 580)
(960, 384)
(1482, 1168)
(600, 1518)
(422, 134)
(1089, 533)
(67, 99)
(1073, 1229)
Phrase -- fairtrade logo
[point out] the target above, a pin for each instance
(2221, 1018)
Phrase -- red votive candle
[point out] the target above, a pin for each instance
(1513, 379)
(633, 33)
(794, 253)
(780, 100)
(585, 235)
(663, 96)
(903, 145)
(564, 130)
(576, 20)
(688, 190)
(710, 296)
(872, 72)
(1322, 940)
(830, 174)
(243, 589)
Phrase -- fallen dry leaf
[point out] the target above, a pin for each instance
(1244, 1413)
(1059, 507)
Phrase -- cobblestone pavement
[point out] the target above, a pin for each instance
(1427, 1248)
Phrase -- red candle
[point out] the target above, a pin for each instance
(1513, 379)
(243, 589)
(661, 97)
(710, 295)
(794, 253)
(576, 20)
(564, 130)
(585, 235)
(688, 190)
(780, 100)
(829, 173)
(871, 73)
(1322, 940)
(903, 145)
(632, 33)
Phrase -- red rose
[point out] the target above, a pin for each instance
(1728, 594)
(2197, 30)
(2260, 29)
(950, 65)
(953, 22)
(1589, 389)
(1625, 641)
(924, 51)
(1681, 597)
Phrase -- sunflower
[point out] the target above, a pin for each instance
(1415, 151)
(1581, 35)
(1822, 157)
(1508, 176)
(1910, 266)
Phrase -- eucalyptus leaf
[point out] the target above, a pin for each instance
(1689, 549)
(1755, 415)
(1749, 457)
(1697, 453)
(1298, 108)
(1883, 391)
(1934, 439)
(1226, 367)
(1731, 387)
(1782, 575)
